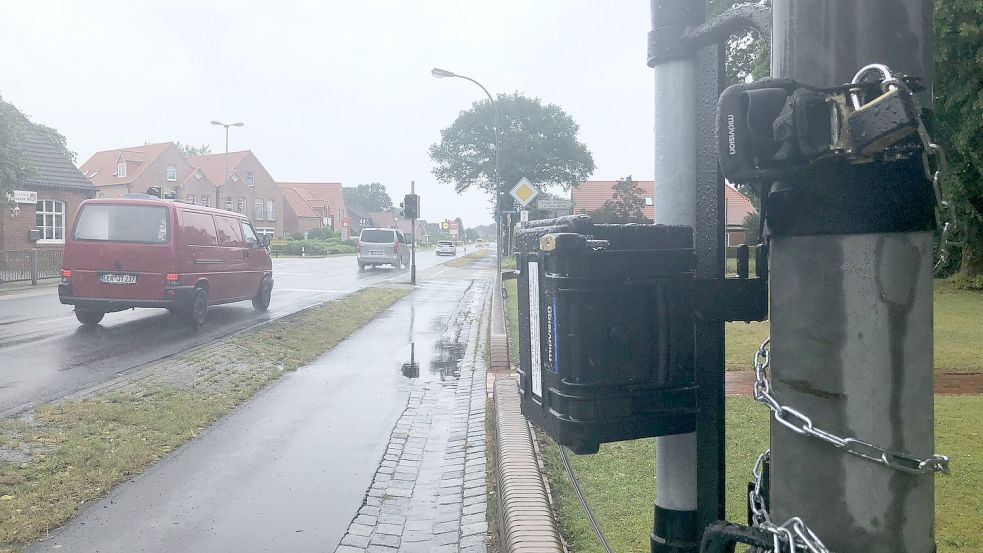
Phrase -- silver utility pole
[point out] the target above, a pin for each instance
(413, 236)
(851, 311)
(225, 180)
(675, 193)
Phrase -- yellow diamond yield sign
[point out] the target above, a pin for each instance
(524, 192)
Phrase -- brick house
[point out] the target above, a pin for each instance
(591, 195)
(43, 206)
(327, 200)
(249, 189)
(299, 214)
(139, 168)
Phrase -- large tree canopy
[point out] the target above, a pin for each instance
(538, 141)
(13, 167)
(959, 117)
(369, 197)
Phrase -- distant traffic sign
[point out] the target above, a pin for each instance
(550, 204)
(524, 192)
(445, 225)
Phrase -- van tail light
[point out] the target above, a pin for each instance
(66, 276)
(171, 279)
(358, 244)
(396, 247)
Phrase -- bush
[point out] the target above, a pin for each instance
(320, 234)
(961, 282)
(295, 236)
(317, 247)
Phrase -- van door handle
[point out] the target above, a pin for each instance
(245, 253)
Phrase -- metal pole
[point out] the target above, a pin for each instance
(413, 237)
(225, 179)
(675, 190)
(851, 310)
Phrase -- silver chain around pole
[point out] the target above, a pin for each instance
(793, 532)
(798, 422)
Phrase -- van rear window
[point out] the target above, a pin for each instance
(377, 235)
(144, 224)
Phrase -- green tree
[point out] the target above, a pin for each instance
(604, 214)
(627, 203)
(959, 118)
(538, 141)
(14, 169)
(747, 54)
(752, 228)
(194, 151)
(369, 197)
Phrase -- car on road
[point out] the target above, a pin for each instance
(382, 246)
(479, 243)
(147, 252)
(446, 247)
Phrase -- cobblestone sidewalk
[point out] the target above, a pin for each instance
(429, 492)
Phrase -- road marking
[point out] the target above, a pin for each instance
(312, 291)
(55, 320)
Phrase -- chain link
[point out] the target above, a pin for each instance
(800, 423)
(793, 532)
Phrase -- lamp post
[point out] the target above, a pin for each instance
(225, 180)
(443, 73)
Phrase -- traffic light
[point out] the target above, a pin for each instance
(411, 206)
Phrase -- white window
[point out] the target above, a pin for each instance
(265, 231)
(270, 210)
(50, 220)
(171, 173)
(204, 201)
(121, 169)
(258, 210)
(250, 179)
(228, 203)
(241, 205)
(648, 201)
(191, 199)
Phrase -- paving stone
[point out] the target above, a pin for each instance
(473, 518)
(446, 538)
(368, 520)
(370, 510)
(388, 518)
(474, 508)
(476, 528)
(385, 539)
(390, 529)
(360, 529)
(349, 549)
(472, 540)
(355, 541)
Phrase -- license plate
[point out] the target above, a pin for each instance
(117, 278)
(376, 252)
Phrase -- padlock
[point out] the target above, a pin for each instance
(883, 122)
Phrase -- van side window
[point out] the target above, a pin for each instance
(198, 229)
(229, 232)
(250, 235)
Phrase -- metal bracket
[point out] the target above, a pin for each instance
(674, 38)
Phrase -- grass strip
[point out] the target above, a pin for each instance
(68, 453)
(619, 481)
(467, 258)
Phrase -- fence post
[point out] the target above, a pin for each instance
(34, 266)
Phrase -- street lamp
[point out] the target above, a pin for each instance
(218, 199)
(443, 73)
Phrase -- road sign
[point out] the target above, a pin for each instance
(524, 192)
(524, 216)
(344, 222)
(550, 204)
(445, 225)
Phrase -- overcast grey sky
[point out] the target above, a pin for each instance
(331, 90)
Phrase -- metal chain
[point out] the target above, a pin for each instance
(798, 422)
(793, 532)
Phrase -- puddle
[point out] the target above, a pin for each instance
(447, 354)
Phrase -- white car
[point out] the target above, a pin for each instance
(446, 247)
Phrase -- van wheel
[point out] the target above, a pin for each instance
(88, 316)
(261, 300)
(197, 310)
(361, 266)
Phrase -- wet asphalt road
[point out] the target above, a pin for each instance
(287, 470)
(46, 354)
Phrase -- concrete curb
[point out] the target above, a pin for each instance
(526, 515)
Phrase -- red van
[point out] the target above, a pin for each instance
(146, 252)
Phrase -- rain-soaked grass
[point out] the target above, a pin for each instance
(462, 260)
(68, 453)
(619, 481)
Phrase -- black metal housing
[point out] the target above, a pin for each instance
(606, 331)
